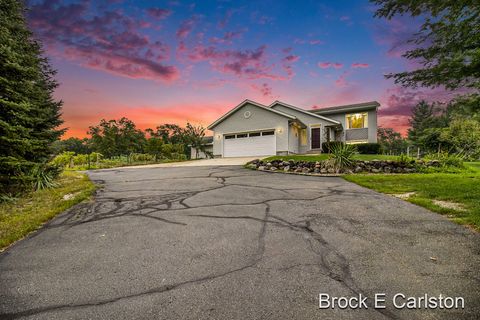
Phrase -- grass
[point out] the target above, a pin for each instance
(30, 211)
(324, 156)
(107, 164)
(461, 188)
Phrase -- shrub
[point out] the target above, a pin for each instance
(368, 148)
(64, 159)
(13, 177)
(167, 150)
(80, 159)
(43, 175)
(405, 160)
(135, 157)
(446, 160)
(327, 146)
(342, 155)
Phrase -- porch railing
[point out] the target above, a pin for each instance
(356, 134)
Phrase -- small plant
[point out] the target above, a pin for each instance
(446, 160)
(342, 155)
(43, 175)
(405, 160)
(7, 198)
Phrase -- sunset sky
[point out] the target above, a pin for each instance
(173, 61)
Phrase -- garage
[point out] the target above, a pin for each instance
(261, 143)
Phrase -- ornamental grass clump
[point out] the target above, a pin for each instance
(341, 156)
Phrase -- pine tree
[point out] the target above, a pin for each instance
(423, 117)
(29, 115)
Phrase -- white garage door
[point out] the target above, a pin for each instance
(249, 144)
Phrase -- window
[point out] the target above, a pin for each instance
(232, 136)
(254, 134)
(268, 133)
(357, 120)
(242, 135)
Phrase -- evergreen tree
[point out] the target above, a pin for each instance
(423, 117)
(29, 115)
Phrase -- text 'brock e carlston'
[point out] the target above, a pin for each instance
(398, 301)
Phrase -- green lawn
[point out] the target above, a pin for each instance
(461, 188)
(324, 156)
(28, 213)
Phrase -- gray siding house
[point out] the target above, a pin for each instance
(253, 129)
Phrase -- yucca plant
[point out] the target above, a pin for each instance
(43, 175)
(342, 155)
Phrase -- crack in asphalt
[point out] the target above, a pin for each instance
(330, 260)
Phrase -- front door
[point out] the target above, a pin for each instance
(315, 138)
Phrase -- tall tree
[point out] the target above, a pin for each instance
(447, 45)
(29, 115)
(115, 138)
(196, 138)
(79, 146)
(391, 141)
(169, 133)
(423, 117)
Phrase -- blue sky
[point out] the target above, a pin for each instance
(177, 61)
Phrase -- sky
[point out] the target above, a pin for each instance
(158, 62)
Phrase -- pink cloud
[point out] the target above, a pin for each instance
(109, 41)
(314, 42)
(342, 80)
(291, 58)
(228, 37)
(344, 18)
(360, 65)
(264, 89)
(248, 64)
(158, 13)
(226, 19)
(395, 34)
(186, 27)
(326, 65)
(399, 101)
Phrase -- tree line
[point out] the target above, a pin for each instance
(453, 128)
(113, 138)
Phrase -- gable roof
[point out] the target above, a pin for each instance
(347, 107)
(226, 115)
(302, 111)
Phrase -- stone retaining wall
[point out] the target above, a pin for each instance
(327, 167)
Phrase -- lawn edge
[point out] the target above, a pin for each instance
(75, 202)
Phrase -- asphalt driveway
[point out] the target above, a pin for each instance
(223, 242)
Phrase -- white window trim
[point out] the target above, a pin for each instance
(365, 123)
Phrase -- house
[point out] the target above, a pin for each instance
(253, 129)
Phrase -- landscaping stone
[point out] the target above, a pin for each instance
(359, 166)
